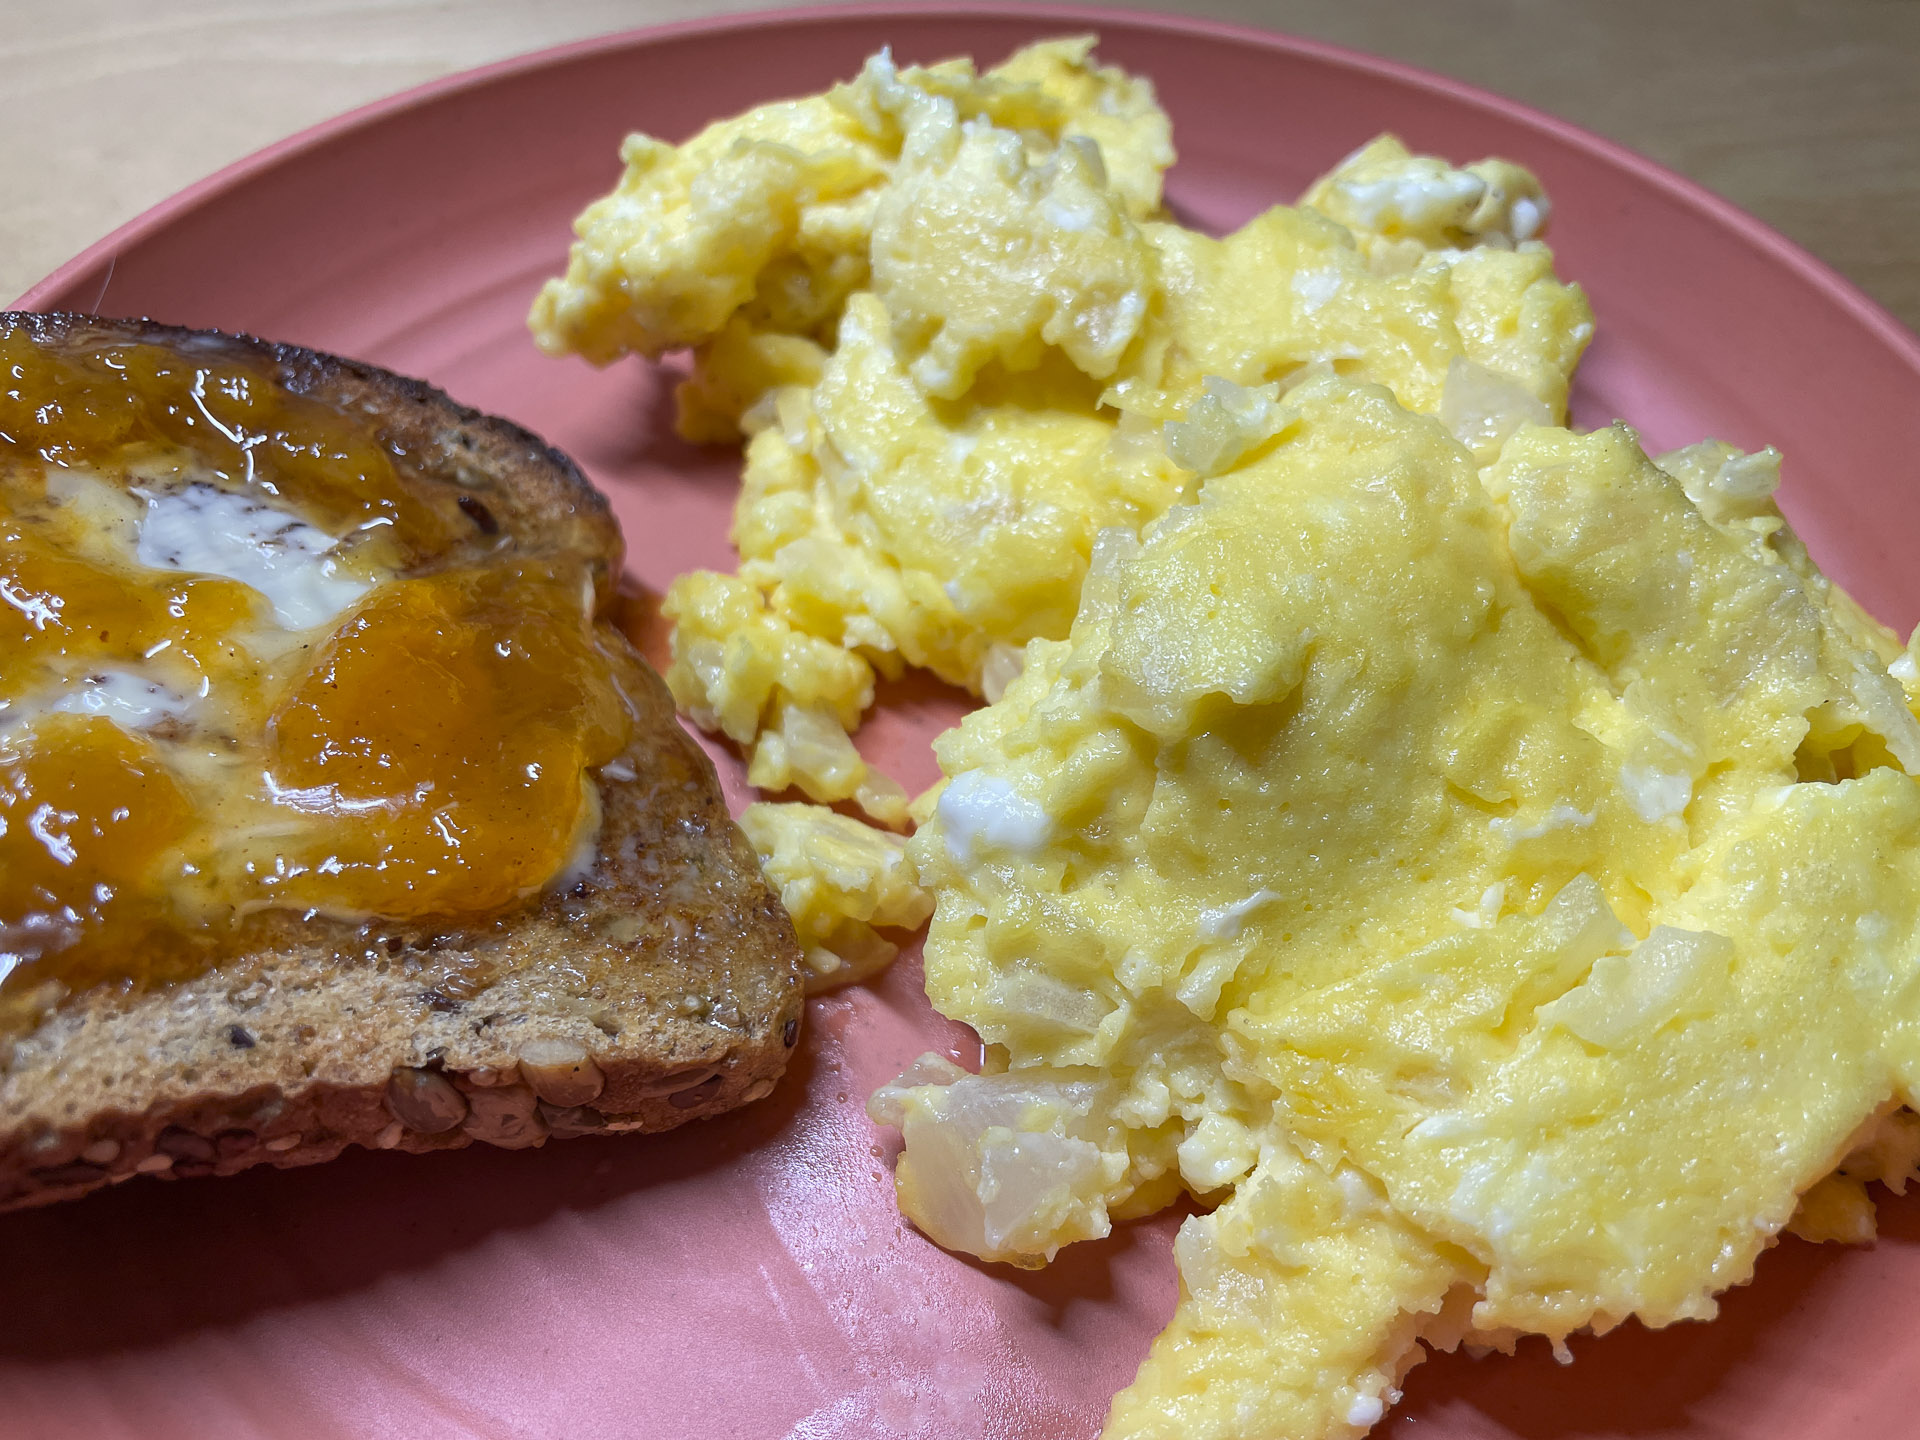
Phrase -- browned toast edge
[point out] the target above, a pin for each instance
(287, 1056)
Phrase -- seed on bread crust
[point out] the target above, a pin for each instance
(695, 1095)
(561, 1072)
(76, 1173)
(425, 1100)
(483, 1077)
(481, 516)
(677, 1081)
(183, 1144)
(572, 1119)
(507, 1116)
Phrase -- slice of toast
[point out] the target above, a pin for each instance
(659, 985)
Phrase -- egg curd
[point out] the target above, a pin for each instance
(947, 314)
(1503, 943)
(842, 882)
(1480, 864)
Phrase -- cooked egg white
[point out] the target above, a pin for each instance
(947, 312)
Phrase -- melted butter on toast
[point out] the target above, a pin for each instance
(253, 660)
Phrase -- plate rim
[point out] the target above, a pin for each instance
(1900, 344)
(1863, 309)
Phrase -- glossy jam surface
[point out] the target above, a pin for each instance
(447, 726)
(257, 661)
(91, 817)
(102, 404)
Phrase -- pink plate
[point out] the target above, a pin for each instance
(749, 1277)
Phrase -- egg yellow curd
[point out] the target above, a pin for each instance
(1475, 861)
(948, 316)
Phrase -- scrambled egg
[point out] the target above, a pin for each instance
(1505, 943)
(842, 882)
(1479, 863)
(946, 312)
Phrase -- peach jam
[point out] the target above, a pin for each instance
(260, 657)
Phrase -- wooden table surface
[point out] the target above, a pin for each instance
(1805, 112)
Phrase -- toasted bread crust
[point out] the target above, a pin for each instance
(411, 1036)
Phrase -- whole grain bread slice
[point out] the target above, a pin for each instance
(660, 986)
